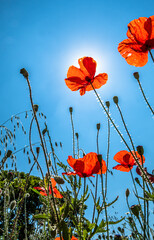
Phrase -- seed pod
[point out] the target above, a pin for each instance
(107, 104)
(71, 110)
(140, 150)
(59, 180)
(127, 192)
(24, 72)
(115, 99)
(35, 107)
(135, 210)
(136, 75)
(98, 126)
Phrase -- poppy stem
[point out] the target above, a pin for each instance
(107, 157)
(145, 96)
(136, 160)
(84, 190)
(134, 186)
(151, 55)
(96, 184)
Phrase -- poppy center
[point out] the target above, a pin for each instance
(126, 158)
(87, 79)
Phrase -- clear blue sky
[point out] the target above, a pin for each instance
(46, 37)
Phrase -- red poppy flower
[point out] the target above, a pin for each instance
(140, 39)
(126, 160)
(56, 193)
(150, 176)
(86, 166)
(80, 78)
(73, 238)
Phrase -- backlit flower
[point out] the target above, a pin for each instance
(140, 39)
(81, 78)
(43, 191)
(150, 176)
(86, 166)
(126, 160)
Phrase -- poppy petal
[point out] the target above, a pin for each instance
(57, 194)
(53, 182)
(132, 52)
(149, 27)
(69, 173)
(122, 168)
(43, 193)
(88, 66)
(71, 161)
(104, 168)
(98, 81)
(82, 91)
(75, 72)
(118, 157)
(74, 83)
(136, 30)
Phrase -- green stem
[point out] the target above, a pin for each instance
(96, 184)
(144, 96)
(107, 157)
(84, 189)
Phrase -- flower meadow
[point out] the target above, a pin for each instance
(55, 205)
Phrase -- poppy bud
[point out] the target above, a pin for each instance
(35, 107)
(98, 126)
(8, 154)
(135, 210)
(127, 192)
(140, 150)
(137, 180)
(77, 135)
(136, 75)
(24, 72)
(59, 180)
(13, 205)
(115, 99)
(37, 150)
(44, 131)
(71, 110)
(107, 104)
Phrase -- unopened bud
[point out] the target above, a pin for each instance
(115, 99)
(137, 180)
(59, 180)
(24, 72)
(44, 131)
(77, 135)
(98, 126)
(135, 210)
(140, 150)
(71, 110)
(37, 150)
(13, 205)
(107, 104)
(8, 154)
(136, 75)
(127, 192)
(35, 107)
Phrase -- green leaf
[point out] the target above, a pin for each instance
(42, 216)
(109, 204)
(115, 222)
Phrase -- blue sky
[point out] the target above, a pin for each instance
(46, 37)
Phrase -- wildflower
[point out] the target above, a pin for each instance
(140, 40)
(86, 166)
(150, 176)
(81, 78)
(126, 160)
(56, 193)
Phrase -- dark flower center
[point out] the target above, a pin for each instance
(87, 79)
